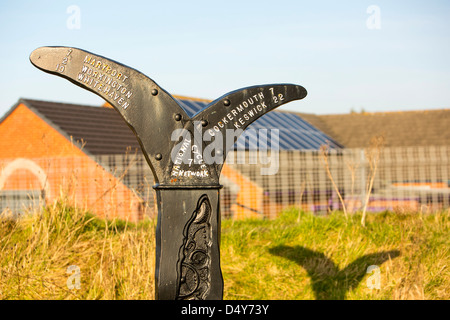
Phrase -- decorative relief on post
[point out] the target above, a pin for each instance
(194, 263)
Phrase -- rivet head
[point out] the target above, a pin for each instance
(154, 92)
(204, 123)
(219, 152)
(158, 156)
(178, 117)
(226, 102)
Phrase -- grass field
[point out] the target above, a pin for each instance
(296, 256)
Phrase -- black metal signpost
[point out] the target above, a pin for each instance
(185, 154)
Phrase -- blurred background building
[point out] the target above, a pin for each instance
(87, 154)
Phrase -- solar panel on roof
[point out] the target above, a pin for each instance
(192, 107)
(294, 133)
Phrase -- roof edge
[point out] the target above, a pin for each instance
(11, 110)
(369, 113)
(179, 97)
(54, 126)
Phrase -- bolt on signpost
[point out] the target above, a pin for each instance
(188, 226)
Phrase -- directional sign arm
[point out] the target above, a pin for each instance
(238, 109)
(147, 108)
(187, 180)
(232, 106)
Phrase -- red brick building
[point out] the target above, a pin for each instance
(53, 149)
(42, 150)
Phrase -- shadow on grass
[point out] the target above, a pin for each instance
(327, 280)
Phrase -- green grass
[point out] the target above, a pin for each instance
(296, 256)
(116, 258)
(326, 257)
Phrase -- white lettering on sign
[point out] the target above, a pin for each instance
(277, 98)
(242, 114)
(186, 154)
(61, 67)
(100, 76)
(196, 159)
(190, 173)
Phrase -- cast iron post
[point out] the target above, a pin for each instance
(178, 149)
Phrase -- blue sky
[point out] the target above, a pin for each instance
(207, 48)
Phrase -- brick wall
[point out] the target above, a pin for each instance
(36, 156)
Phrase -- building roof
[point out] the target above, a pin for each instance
(294, 132)
(99, 130)
(407, 128)
(103, 131)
